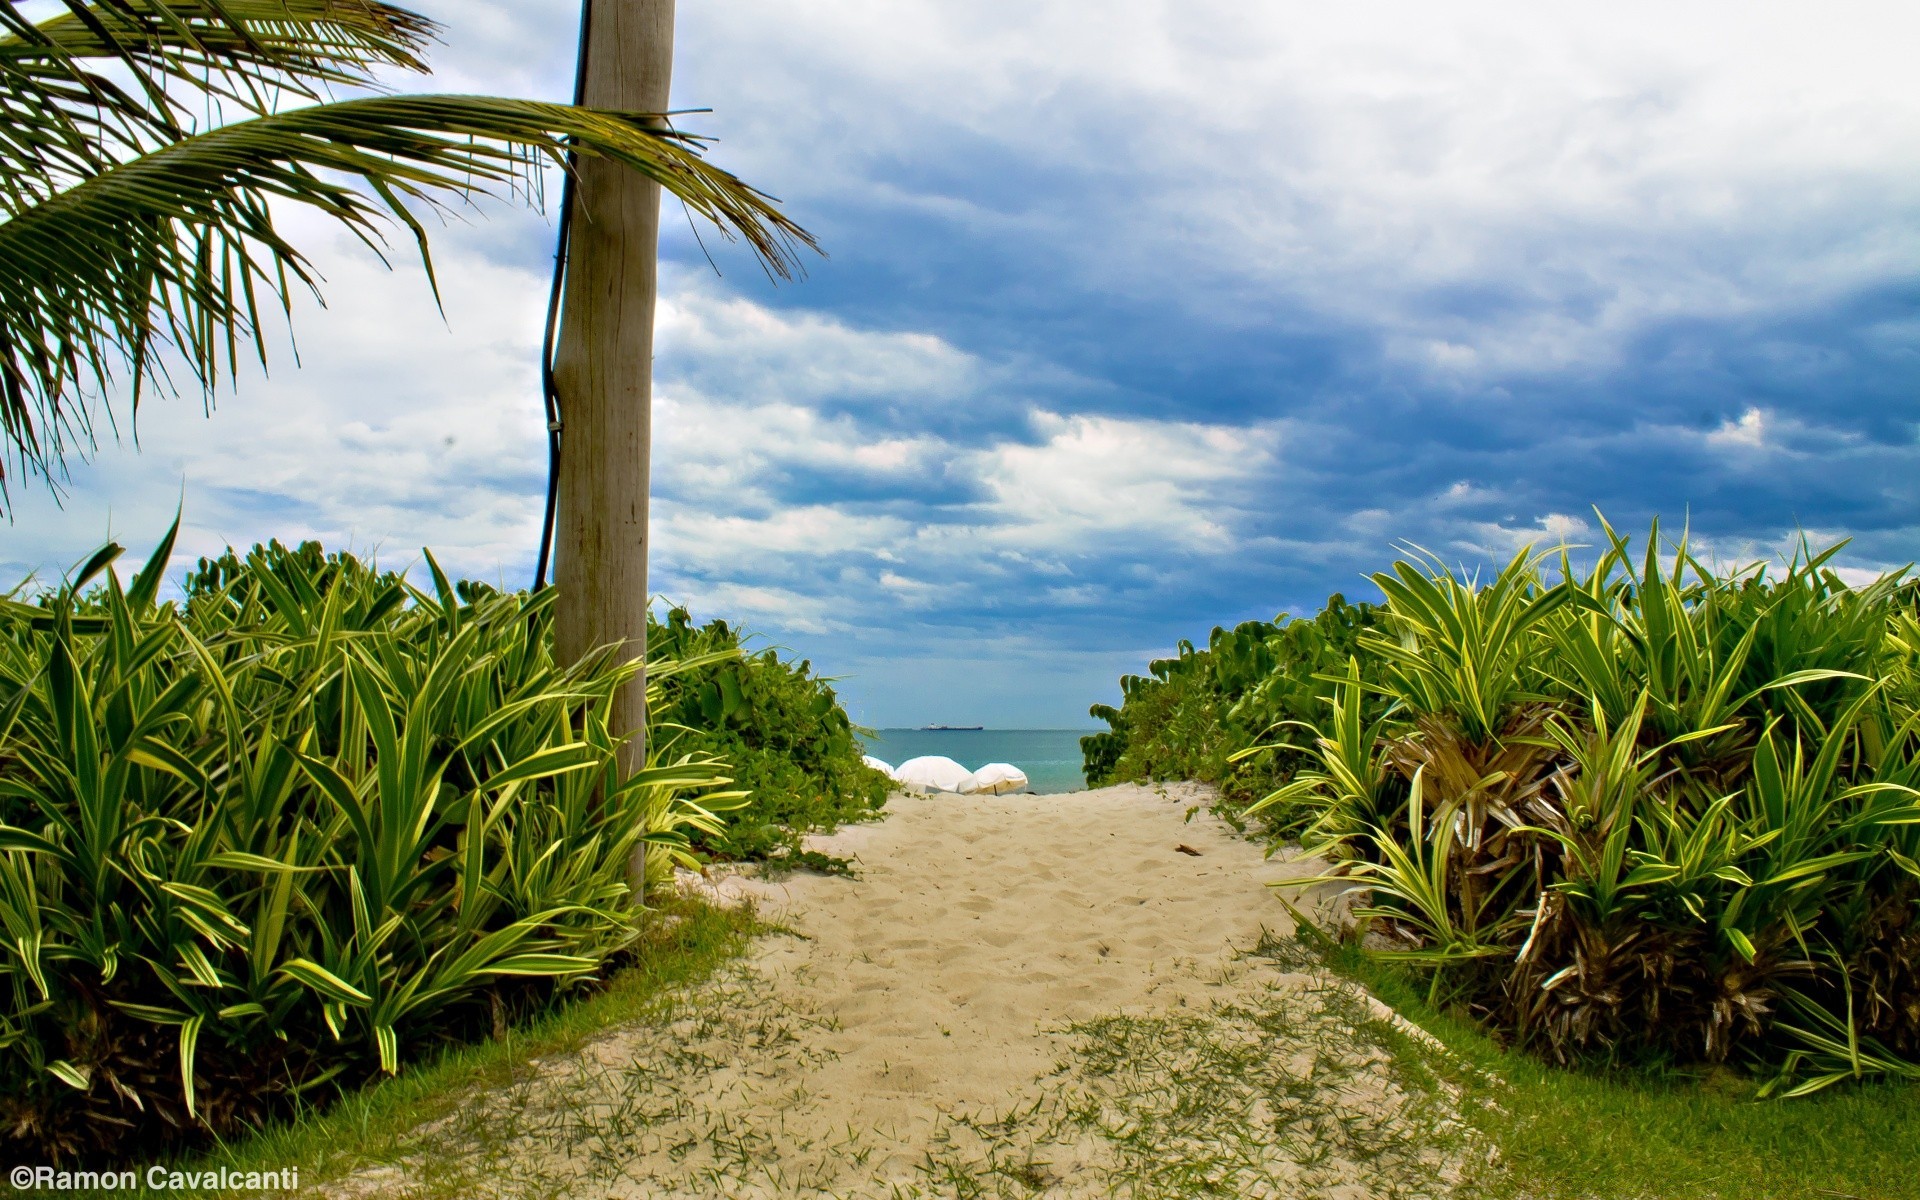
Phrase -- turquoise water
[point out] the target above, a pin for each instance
(1050, 757)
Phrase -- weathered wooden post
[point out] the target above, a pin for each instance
(604, 367)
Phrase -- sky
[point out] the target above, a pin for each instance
(1138, 317)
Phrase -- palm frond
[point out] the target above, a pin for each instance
(63, 118)
(178, 247)
(337, 40)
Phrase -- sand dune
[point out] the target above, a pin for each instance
(1017, 996)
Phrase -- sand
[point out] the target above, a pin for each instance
(1079, 995)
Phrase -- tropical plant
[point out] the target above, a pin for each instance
(1644, 810)
(294, 829)
(781, 730)
(1654, 837)
(1240, 713)
(139, 224)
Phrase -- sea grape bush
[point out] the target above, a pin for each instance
(297, 827)
(782, 731)
(1648, 811)
(1193, 716)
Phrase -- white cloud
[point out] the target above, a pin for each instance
(748, 464)
(724, 451)
(736, 347)
(1090, 484)
(1462, 493)
(1605, 167)
(719, 542)
(1553, 531)
(1749, 432)
(1085, 595)
(758, 609)
(1092, 476)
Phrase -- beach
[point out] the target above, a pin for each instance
(1008, 986)
(1051, 758)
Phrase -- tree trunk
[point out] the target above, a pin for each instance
(604, 370)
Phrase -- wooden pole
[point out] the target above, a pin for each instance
(603, 367)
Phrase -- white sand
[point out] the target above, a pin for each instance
(978, 922)
(860, 1054)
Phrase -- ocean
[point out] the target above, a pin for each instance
(1050, 757)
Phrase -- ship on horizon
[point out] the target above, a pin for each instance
(953, 728)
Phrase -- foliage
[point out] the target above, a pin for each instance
(1644, 812)
(1232, 714)
(1628, 1133)
(293, 830)
(135, 219)
(682, 943)
(781, 730)
(1655, 812)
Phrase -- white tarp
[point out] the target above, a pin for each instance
(932, 773)
(878, 765)
(996, 778)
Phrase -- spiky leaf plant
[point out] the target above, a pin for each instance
(295, 828)
(1648, 810)
(1240, 713)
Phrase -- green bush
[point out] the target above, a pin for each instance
(292, 830)
(1237, 714)
(1651, 812)
(782, 731)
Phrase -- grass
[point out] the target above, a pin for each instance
(1285, 1086)
(783, 865)
(684, 943)
(1223, 1101)
(676, 1077)
(1296, 1091)
(1638, 1135)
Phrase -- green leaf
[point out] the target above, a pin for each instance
(239, 861)
(324, 982)
(78, 1078)
(189, 1042)
(1741, 943)
(109, 269)
(146, 585)
(544, 763)
(151, 1013)
(389, 1045)
(540, 964)
(101, 559)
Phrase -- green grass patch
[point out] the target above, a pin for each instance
(684, 942)
(1629, 1134)
(811, 860)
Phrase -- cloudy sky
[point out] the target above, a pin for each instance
(1141, 316)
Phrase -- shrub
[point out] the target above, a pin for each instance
(1232, 714)
(782, 731)
(1652, 812)
(291, 831)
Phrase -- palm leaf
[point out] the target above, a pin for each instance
(177, 248)
(63, 119)
(307, 41)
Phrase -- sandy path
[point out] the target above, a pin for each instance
(976, 923)
(1025, 995)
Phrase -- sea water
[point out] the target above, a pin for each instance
(1050, 757)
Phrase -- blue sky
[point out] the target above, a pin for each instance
(1142, 317)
